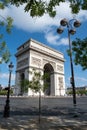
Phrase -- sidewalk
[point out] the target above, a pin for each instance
(46, 123)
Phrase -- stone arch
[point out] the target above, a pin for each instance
(22, 77)
(48, 68)
(33, 54)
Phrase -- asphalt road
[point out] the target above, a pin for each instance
(49, 105)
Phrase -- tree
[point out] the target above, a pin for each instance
(80, 52)
(7, 24)
(36, 84)
(40, 7)
(24, 85)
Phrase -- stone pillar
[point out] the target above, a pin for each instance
(17, 85)
(52, 84)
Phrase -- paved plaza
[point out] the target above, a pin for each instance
(46, 123)
(57, 113)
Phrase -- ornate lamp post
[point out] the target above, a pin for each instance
(7, 106)
(71, 25)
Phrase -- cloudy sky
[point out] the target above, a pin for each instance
(43, 29)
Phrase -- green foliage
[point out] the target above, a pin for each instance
(11, 91)
(40, 7)
(84, 5)
(79, 48)
(24, 85)
(45, 78)
(3, 92)
(9, 21)
(20, 2)
(35, 83)
(4, 23)
(75, 5)
(81, 92)
(4, 3)
(78, 92)
(37, 8)
(4, 53)
(70, 92)
(1, 5)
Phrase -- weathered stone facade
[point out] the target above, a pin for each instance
(34, 54)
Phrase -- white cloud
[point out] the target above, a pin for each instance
(81, 79)
(23, 21)
(64, 41)
(6, 76)
(82, 15)
(51, 37)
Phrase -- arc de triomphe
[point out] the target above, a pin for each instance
(33, 54)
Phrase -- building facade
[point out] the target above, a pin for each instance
(34, 54)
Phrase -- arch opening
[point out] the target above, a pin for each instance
(48, 69)
(22, 77)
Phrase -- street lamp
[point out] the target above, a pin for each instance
(71, 25)
(7, 106)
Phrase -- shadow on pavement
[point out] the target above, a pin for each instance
(57, 118)
(46, 123)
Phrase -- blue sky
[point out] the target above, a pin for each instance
(43, 29)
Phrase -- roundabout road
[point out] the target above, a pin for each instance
(49, 105)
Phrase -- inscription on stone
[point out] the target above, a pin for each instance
(22, 63)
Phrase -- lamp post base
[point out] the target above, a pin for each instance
(6, 110)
